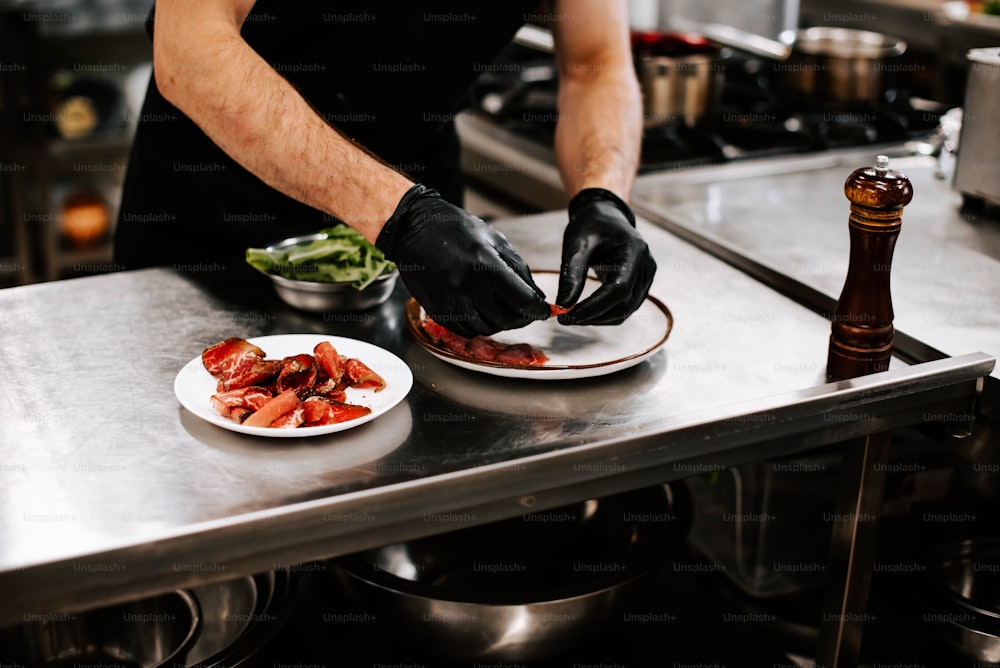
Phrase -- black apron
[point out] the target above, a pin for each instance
(389, 74)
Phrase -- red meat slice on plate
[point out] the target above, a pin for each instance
(327, 388)
(345, 412)
(298, 372)
(441, 334)
(224, 355)
(249, 370)
(484, 348)
(329, 360)
(275, 408)
(320, 411)
(359, 375)
(247, 398)
(317, 411)
(522, 354)
(291, 419)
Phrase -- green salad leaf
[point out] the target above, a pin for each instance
(344, 256)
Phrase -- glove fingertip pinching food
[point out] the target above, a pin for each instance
(601, 235)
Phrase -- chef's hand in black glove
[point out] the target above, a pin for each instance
(463, 272)
(601, 235)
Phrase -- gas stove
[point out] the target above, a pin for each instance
(510, 125)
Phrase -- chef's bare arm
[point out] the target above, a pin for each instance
(204, 67)
(599, 129)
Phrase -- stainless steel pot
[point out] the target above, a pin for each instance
(525, 588)
(680, 75)
(977, 175)
(840, 68)
(828, 67)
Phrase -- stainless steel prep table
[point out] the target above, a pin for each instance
(784, 220)
(109, 490)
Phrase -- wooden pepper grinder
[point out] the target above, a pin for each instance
(861, 334)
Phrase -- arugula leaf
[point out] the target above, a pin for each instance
(344, 256)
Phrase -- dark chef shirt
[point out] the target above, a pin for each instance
(389, 74)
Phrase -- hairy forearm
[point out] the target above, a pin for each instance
(259, 120)
(599, 131)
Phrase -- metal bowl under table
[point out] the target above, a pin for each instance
(146, 633)
(524, 588)
(965, 598)
(239, 617)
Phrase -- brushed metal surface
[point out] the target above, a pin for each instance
(109, 490)
(788, 217)
(508, 163)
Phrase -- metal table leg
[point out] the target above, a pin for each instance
(852, 550)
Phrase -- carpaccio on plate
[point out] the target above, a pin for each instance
(484, 348)
(296, 391)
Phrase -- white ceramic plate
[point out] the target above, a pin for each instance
(573, 351)
(194, 386)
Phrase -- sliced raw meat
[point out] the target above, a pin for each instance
(250, 398)
(522, 354)
(249, 370)
(359, 375)
(345, 412)
(299, 390)
(320, 411)
(441, 334)
(298, 373)
(556, 310)
(223, 355)
(317, 411)
(484, 348)
(291, 419)
(272, 410)
(329, 360)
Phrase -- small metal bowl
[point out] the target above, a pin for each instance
(521, 589)
(327, 297)
(147, 633)
(965, 597)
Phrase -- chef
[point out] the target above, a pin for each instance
(268, 119)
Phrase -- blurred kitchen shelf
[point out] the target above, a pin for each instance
(83, 18)
(12, 272)
(105, 144)
(94, 50)
(81, 259)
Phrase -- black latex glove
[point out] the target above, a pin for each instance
(601, 235)
(463, 272)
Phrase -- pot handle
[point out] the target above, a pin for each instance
(745, 41)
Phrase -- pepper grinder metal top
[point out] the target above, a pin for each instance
(861, 333)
